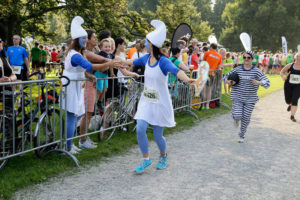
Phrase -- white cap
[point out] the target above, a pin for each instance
(158, 36)
(76, 30)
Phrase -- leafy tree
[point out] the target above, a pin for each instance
(216, 16)
(140, 5)
(23, 16)
(50, 20)
(109, 15)
(174, 12)
(205, 7)
(266, 21)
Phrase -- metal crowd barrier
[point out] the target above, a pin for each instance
(30, 118)
(33, 119)
(212, 91)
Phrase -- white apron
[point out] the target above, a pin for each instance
(74, 91)
(155, 105)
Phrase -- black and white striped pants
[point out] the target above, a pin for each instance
(242, 111)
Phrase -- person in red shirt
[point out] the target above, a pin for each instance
(195, 58)
(214, 60)
(54, 55)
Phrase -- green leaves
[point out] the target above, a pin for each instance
(175, 12)
(266, 21)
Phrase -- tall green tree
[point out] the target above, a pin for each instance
(175, 12)
(110, 15)
(140, 5)
(266, 21)
(216, 16)
(205, 7)
(50, 20)
(23, 16)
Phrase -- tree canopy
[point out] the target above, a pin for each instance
(266, 21)
(175, 12)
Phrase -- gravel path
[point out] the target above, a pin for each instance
(205, 162)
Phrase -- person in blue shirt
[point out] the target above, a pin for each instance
(18, 59)
(76, 66)
(155, 105)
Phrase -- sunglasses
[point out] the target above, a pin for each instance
(248, 57)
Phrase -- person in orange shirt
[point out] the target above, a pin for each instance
(131, 51)
(214, 60)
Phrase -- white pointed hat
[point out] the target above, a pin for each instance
(158, 36)
(76, 29)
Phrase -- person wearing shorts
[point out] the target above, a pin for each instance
(102, 84)
(90, 90)
(292, 85)
(276, 64)
(35, 55)
(44, 58)
(214, 59)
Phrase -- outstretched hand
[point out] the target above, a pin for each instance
(191, 81)
(4, 79)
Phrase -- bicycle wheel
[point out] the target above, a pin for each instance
(108, 120)
(5, 139)
(47, 131)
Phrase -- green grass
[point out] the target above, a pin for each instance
(276, 83)
(23, 171)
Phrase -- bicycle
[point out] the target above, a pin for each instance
(16, 124)
(121, 110)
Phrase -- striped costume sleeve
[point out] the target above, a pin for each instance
(264, 79)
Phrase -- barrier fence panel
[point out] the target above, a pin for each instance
(34, 117)
(29, 118)
(106, 109)
(211, 94)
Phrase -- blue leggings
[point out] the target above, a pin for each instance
(71, 126)
(143, 140)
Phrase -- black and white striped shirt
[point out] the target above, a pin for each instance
(245, 91)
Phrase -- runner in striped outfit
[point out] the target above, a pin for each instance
(244, 94)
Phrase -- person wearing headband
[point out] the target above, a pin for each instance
(244, 94)
(75, 67)
(155, 106)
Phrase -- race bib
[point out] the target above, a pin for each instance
(151, 95)
(295, 79)
(17, 69)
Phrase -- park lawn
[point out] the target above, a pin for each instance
(27, 170)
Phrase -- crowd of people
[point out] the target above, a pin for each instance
(84, 57)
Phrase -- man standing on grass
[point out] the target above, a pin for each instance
(18, 59)
(214, 60)
(35, 57)
(44, 58)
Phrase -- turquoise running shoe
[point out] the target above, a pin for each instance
(162, 162)
(140, 169)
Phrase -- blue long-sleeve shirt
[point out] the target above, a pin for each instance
(165, 64)
(78, 59)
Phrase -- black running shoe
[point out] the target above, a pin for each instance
(289, 108)
(293, 118)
